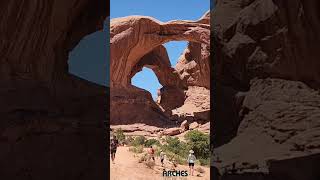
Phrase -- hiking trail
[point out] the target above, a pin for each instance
(126, 167)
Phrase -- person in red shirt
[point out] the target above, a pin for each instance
(151, 153)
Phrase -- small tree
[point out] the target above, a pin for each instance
(176, 146)
(151, 142)
(139, 140)
(120, 135)
(128, 140)
(136, 149)
(200, 143)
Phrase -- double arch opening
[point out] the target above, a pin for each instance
(128, 46)
(137, 42)
(147, 78)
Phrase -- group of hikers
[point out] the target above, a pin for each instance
(114, 143)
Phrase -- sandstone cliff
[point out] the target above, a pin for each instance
(266, 76)
(52, 123)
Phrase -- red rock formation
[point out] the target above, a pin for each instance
(134, 36)
(195, 105)
(172, 131)
(158, 61)
(136, 42)
(52, 123)
(264, 38)
(171, 97)
(266, 73)
(134, 105)
(194, 64)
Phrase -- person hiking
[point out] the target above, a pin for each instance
(151, 153)
(162, 154)
(191, 161)
(113, 147)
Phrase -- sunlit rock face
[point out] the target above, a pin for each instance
(136, 42)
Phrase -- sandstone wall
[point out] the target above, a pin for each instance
(266, 73)
(52, 123)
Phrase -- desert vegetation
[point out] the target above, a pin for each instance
(175, 149)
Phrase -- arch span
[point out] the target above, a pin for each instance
(131, 38)
(136, 42)
(158, 61)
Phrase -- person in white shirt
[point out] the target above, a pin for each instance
(162, 154)
(191, 161)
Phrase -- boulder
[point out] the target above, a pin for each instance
(184, 125)
(193, 125)
(172, 131)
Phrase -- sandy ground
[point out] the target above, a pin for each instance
(126, 167)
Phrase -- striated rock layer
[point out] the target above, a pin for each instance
(266, 72)
(52, 123)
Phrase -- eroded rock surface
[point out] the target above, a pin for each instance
(282, 122)
(196, 104)
(136, 42)
(134, 36)
(265, 38)
(52, 123)
(266, 72)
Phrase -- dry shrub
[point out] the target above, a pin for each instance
(150, 164)
(200, 170)
(142, 158)
(137, 150)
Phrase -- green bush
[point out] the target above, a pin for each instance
(200, 143)
(120, 135)
(204, 162)
(138, 141)
(174, 145)
(137, 149)
(157, 150)
(151, 142)
(175, 157)
(162, 140)
(175, 150)
(128, 140)
(178, 150)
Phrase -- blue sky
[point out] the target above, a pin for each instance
(90, 58)
(164, 10)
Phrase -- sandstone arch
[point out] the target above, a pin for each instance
(158, 61)
(171, 95)
(136, 42)
(134, 36)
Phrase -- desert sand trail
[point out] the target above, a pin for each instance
(126, 167)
